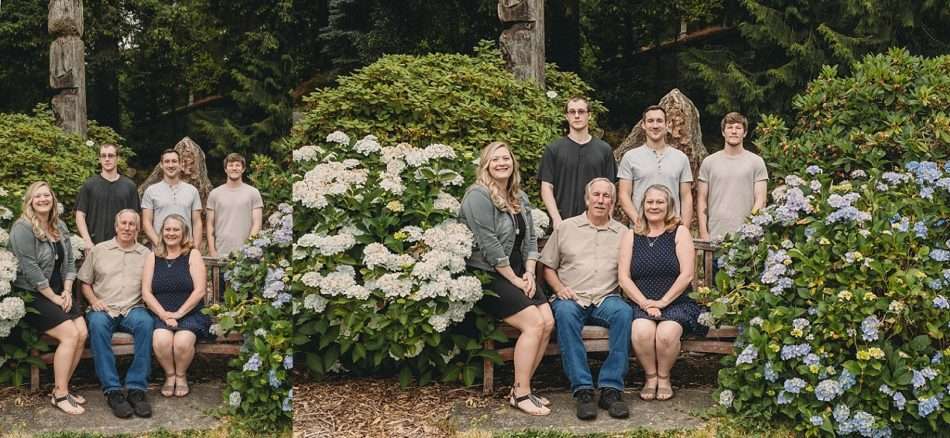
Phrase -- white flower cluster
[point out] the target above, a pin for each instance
(306, 153)
(327, 245)
(78, 246)
(367, 145)
(447, 202)
(327, 179)
(11, 310)
(338, 137)
(8, 266)
(341, 282)
(315, 302)
(541, 221)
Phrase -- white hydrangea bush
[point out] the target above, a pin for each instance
(380, 257)
(12, 308)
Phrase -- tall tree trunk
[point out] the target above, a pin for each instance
(67, 65)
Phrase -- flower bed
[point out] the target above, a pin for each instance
(841, 286)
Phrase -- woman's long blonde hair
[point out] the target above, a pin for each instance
(502, 198)
(672, 219)
(186, 244)
(29, 214)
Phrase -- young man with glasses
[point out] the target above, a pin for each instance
(101, 197)
(570, 162)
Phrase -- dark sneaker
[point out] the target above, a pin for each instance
(139, 403)
(120, 406)
(612, 400)
(584, 401)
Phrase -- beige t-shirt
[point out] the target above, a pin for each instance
(585, 257)
(115, 274)
(731, 187)
(232, 215)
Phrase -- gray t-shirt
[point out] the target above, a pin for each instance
(232, 215)
(645, 168)
(731, 188)
(163, 199)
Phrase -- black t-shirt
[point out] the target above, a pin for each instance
(100, 199)
(569, 166)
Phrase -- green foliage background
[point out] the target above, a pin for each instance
(462, 101)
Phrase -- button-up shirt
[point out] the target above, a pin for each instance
(115, 274)
(585, 257)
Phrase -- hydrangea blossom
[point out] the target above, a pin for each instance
(795, 350)
(827, 390)
(769, 373)
(726, 397)
(748, 355)
(794, 385)
(869, 328)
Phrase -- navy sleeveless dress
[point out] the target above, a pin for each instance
(654, 269)
(171, 285)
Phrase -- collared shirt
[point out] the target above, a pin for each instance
(645, 167)
(585, 257)
(115, 274)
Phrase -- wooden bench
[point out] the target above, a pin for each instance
(718, 340)
(123, 345)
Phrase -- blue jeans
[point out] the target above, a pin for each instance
(139, 323)
(614, 314)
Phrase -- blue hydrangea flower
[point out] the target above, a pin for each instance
(272, 379)
(869, 328)
(846, 379)
(813, 170)
(794, 351)
(899, 400)
(794, 385)
(886, 389)
(770, 373)
(940, 302)
(841, 413)
(748, 355)
(918, 379)
(811, 359)
(926, 406)
(816, 420)
(863, 422)
(935, 285)
(937, 358)
(920, 229)
(254, 363)
(288, 362)
(827, 390)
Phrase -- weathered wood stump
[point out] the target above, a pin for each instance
(67, 65)
(194, 170)
(522, 42)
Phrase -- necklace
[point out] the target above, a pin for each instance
(652, 241)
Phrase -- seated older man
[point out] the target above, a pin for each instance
(112, 284)
(580, 265)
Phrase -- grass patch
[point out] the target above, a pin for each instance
(223, 431)
(716, 427)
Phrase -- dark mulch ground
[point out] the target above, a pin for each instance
(346, 407)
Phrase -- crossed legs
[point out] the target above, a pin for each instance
(657, 346)
(174, 351)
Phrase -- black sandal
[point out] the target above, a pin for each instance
(516, 403)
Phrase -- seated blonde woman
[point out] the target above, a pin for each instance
(46, 268)
(657, 261)
(173, 288)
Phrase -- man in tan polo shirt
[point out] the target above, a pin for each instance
(580, 265)
(112, 284)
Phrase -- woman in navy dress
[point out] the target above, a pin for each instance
(173, 288)
(657, 260)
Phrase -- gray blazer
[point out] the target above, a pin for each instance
(494, 230)
(36, 258)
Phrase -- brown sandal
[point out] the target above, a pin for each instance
(648, 392)
(664, 393)
(66, 404)
(181, 385)
(539, 409)
(168, 389)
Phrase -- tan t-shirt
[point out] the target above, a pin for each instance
(115, 274)
(731, 187)
(232, 215)
(585, 257)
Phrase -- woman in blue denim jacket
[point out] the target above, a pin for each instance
(45, 267)
(499, 215)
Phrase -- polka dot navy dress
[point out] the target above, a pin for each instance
(654, 268)
(171, 285)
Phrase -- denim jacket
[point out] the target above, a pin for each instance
(494, 230)
(36, 258)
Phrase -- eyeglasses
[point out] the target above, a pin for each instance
(574, 112)
(107, 155)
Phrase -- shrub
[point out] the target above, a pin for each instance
(462, 101)
(892, 109)
(36, 149)
(380, 261)
(257, 304)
